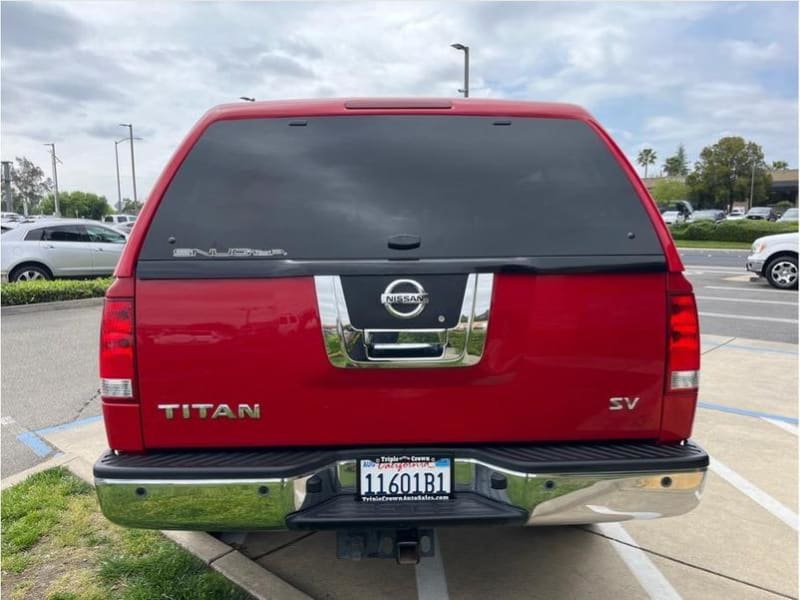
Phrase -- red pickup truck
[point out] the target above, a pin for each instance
(379, 316)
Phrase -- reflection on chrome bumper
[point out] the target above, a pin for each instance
(264, 504)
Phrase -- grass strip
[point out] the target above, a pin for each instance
(712, 244)
(57, 545)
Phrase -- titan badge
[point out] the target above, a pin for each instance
(204, 411)
(418, 299)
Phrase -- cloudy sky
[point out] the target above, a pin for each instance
(655, 74)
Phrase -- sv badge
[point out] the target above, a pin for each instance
(622, 403)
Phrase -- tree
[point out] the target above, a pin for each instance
(78, 204)
(669, 190)
(28, 185)
(779, 165)
(646, 157)
(724, 172)
(131, 207)
(677, 165)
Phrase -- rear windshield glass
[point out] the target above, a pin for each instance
(341, 187)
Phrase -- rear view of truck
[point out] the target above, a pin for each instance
(382, 316)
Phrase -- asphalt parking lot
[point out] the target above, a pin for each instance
(740, 542)
(730, 303)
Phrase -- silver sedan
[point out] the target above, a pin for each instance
(52, 248)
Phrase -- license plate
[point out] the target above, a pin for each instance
(399, 478)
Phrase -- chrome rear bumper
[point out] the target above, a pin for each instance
(537, 498)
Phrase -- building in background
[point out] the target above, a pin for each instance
(784, 187)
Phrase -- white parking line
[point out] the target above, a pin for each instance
(746, 317)
(647, 574)
(709, 271)
(782, 424)
(431, 580)
(756, 494)
(747, 289)
(746, 300)
(712, 268)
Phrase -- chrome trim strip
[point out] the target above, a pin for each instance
(222, 504)
(459, 346)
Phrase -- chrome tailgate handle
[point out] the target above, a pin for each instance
(405, 344)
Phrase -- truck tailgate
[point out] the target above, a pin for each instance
(558, 348)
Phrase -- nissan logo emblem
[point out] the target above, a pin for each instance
(417, 298)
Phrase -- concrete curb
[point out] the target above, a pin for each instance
(44, 306)
(51, 463)
(235, 566)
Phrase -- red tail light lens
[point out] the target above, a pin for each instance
(116, 349)
(684, 343)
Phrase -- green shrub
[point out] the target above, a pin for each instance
(743, 230)
(33, 292)
(702, 230)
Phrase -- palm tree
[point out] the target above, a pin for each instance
(647, 157)
(779, 165)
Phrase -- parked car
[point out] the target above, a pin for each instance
(47, 249)
(736, 214)
(713, 215)
(332, 354)
(673, 217)
(125, 227)
(791, 215)
(762, 213)
(119, 219)
(774, 257)
(683, 207)
(11, 216)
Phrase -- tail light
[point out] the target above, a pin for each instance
(116, 349)
(121, 409)
(684, 343)
(683, 361)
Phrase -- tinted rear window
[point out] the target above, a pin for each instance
(65, 233)
(340, 187)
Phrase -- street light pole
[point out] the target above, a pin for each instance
(464, 91)
(55, 180)
(752, 181)
(133, 160)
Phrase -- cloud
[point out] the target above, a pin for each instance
(654, 73)
(37, 27)
(747, 51)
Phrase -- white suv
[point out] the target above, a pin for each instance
(775, 258)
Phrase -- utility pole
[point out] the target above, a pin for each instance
(55, 179)
(464, 91)
(116, 160)
(7, 186)
(133, 160)
(752, 181)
